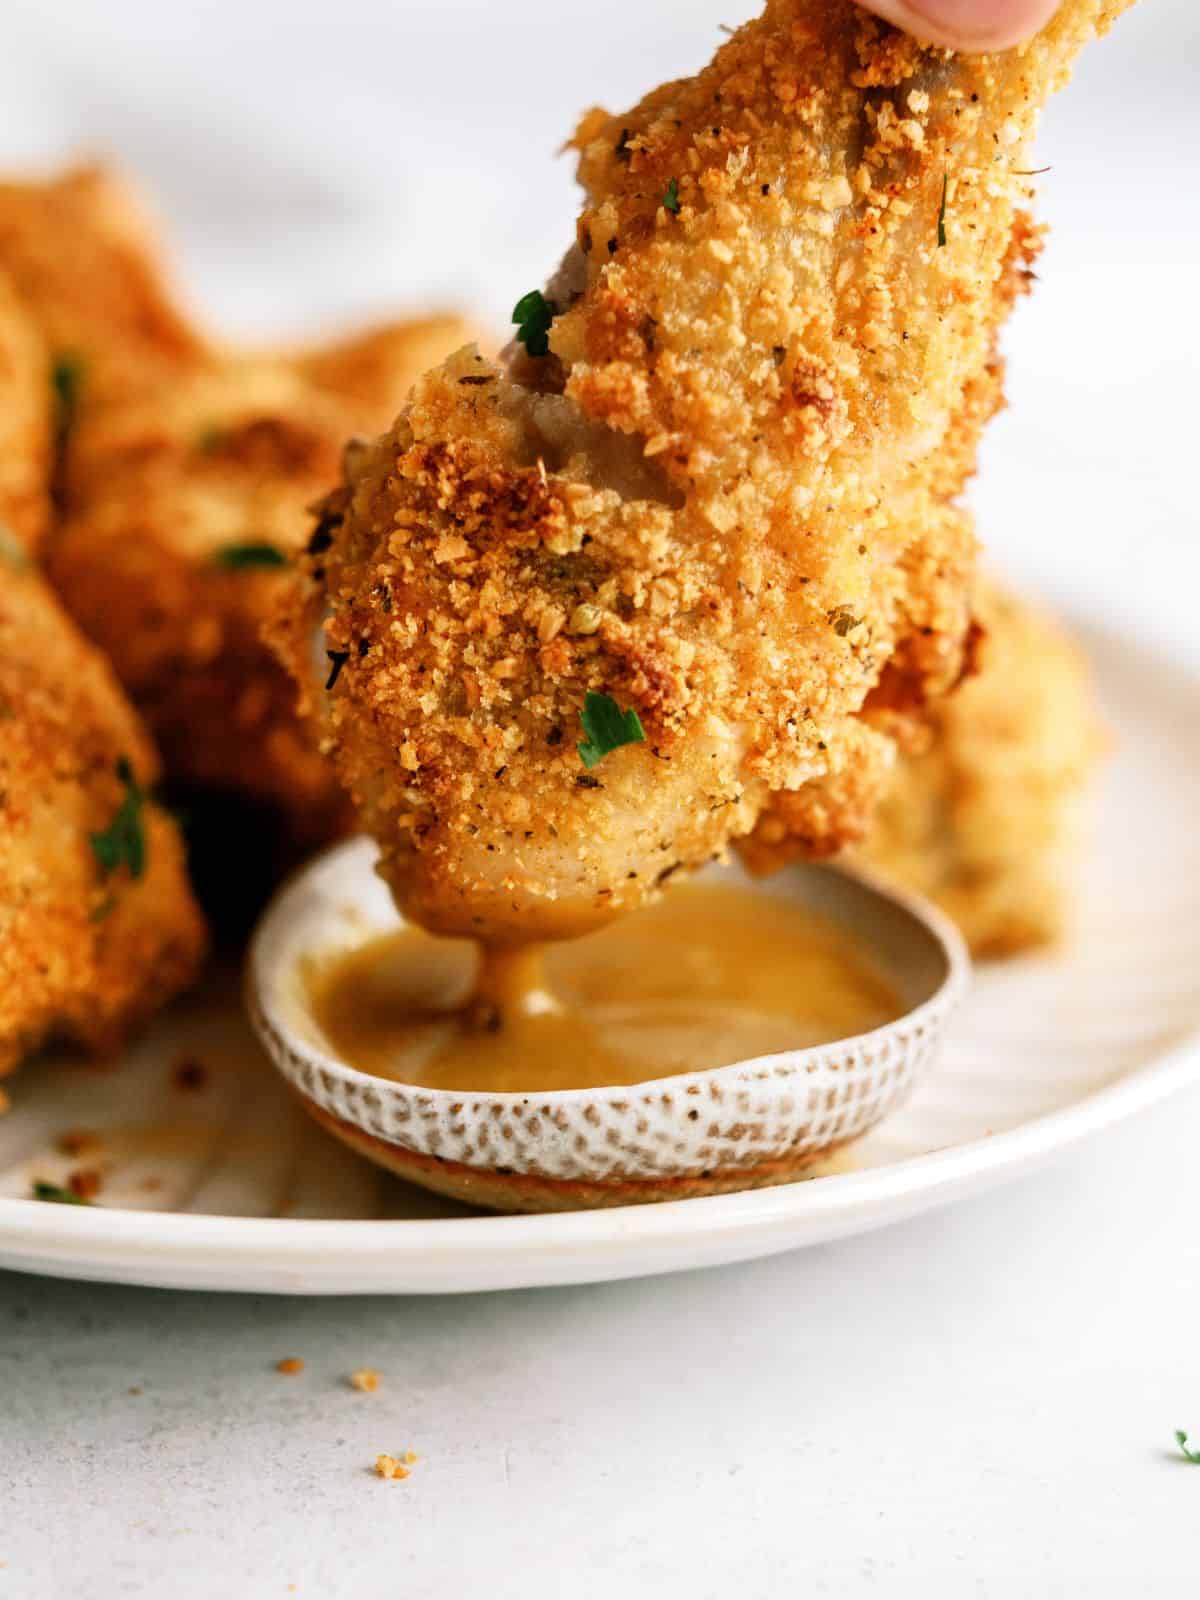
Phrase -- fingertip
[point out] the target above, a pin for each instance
(971, 25)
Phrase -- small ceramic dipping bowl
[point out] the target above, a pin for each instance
(757, 1122)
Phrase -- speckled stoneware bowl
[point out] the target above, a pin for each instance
(757, 1122)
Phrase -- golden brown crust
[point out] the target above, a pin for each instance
(25, 424)
(984, 820)
(165, 488)
(725, 498)
(85, 261)
(84, 954)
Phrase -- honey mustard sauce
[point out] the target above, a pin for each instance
(706, 977)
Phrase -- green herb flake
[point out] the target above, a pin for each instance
(240, 557)
(12, 551)
(671, 198)
(942, 212)
(533, 314)
(66, 382)
(123, 842)
(56, 1194)
(607, 728)
(844, 621)
(1181, 1439)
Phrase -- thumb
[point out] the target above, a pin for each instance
(968, 24)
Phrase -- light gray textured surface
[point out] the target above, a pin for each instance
(985, 1399)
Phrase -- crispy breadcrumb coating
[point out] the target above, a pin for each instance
(985, 820)
(724, 498)
(180, 499)
(25, 425)
(86, 951)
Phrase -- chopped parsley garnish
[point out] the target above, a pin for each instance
(942, 212)
(11, 549)
(1181, 1439)
(338, 659)
(844, 621)
(237, 557)
(607, 728)
(123, 842)
(66, 380)
(671, 198)
(56, 1195)
(533, 314)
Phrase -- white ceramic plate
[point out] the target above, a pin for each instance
(228, 1186)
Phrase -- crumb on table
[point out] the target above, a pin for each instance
(390, 1467)
(85, 1182)
(290, 1364)
(364, 1378)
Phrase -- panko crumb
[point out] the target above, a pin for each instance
(79, 1142)
(290, 1364)
(366, 1379)
(395, 1466)
(85, 1183)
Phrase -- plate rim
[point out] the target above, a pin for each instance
(32, 1233)
(850, 1195)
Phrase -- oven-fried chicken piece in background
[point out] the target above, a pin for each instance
(186, 501)
(718, 488)
(84, 258)
(98, 927)
(26, 427)
(184, 474)
(986, 820)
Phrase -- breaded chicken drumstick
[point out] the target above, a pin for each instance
(716, 489)
(98, 927)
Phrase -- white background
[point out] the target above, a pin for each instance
(980, 1403)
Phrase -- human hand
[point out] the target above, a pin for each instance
(968, 24)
